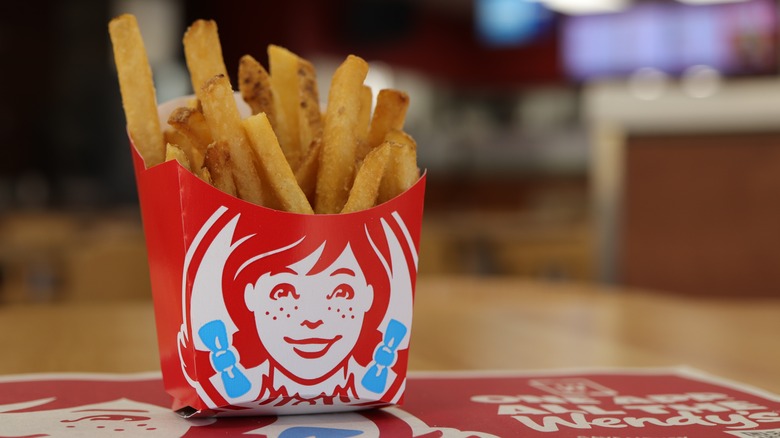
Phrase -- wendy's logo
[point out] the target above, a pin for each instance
(285, 316)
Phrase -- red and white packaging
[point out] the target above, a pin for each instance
(260, 311)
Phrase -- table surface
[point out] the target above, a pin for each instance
(460, 323)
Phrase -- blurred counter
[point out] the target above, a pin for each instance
(59, 257)
(459, 323)
(50, 256)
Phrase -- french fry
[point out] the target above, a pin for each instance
(218, 168)
(174, 152)
(137, 89)
(283, 65)
(402, 171)
(224, 121)
(310, 116)
(366, 99)
(191, 123)
(389, 114)
(183, 142)
(254, 83)
(306, 173)
(367, 180)
(205, 175)
(277, 169)
(203, 54)
(339, 136)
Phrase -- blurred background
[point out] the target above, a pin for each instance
(631, 142)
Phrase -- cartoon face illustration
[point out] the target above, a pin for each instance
(304, 315)
(313, 316)
(122, 415)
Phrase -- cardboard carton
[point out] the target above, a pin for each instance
(260, 311)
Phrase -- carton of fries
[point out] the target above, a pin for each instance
(261, 305)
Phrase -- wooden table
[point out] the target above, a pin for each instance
(460, 323)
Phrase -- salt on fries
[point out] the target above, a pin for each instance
(288, 154)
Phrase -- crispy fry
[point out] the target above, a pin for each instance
(366, 99)
(389, 114)
(224, 121)
(306, 173)
(205, 175)
(402, 171)
(255, 86)
(277, 169)
(339, 136)
(185, 144)
(137, 88)
(218, 168)
(310, 116)
(191, 123)
(284, 82)
(366, 188)
(203, 54)
(174, 152)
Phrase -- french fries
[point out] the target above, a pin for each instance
(203, 54)
(309, 115)
(364, 121)
(278, 170)
(255, 86)
(137, 88)
(306, 174)
(340, 135)
(389, 114)
(366, 188)
(288, 154)
(402, 171)
(218, 161)
(224, 121)
(173, 152)
(193, 145)
(284, 83)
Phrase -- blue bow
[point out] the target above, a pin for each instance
(375, 379)
(214, 336)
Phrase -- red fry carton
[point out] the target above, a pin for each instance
(261, 311)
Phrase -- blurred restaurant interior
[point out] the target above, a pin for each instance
(633, 142)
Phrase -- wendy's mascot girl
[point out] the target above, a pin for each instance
(298, 316)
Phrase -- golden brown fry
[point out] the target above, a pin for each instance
(193, 144)
(306, 173)
(174, 152)
(366, 188)
(218, 168)
(277, 169)
(310, 116)
(203, 54)
(224, 121)
(339, 136)
(191, 123)
(284, 82)
(402, 171)
(366, 99)
(205, 175)
(255, 86)
(185, 144)
(137, 88)
(389, 114)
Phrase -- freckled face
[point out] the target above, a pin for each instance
(128, 416)
(310, 323)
